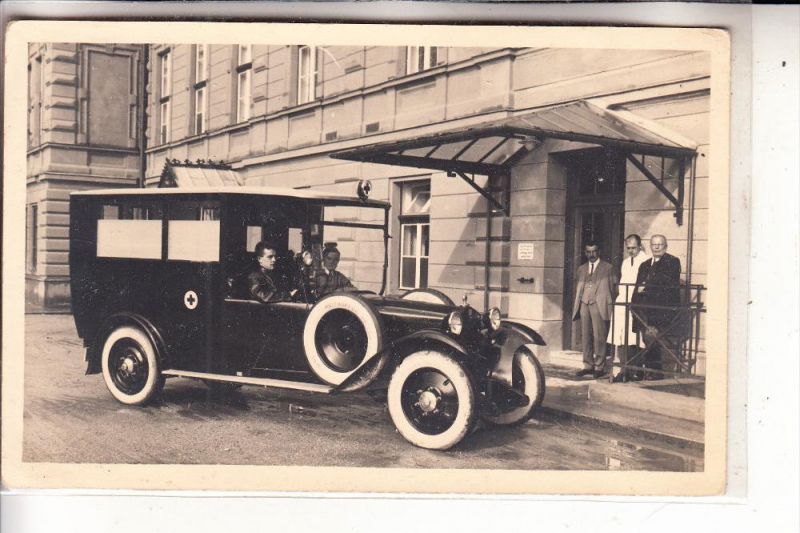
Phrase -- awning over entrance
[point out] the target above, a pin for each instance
(201, 174)
(492, 148)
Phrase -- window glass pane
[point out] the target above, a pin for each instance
(243, 107)
(408, 273)
(409, 239)
(200, 66)
(305, 74)
(199, 110)
(193, 240)
(244, 54)
(432, 56)
(137, 239)
(425, 238)
(253, 237)
(416, 199)
(423, 273)
(110, 212)
(295, 239)
(414, 59)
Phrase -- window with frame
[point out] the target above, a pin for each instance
(419, 58)
(165, 91)
(415, 204)
(200, 88)
(129, 231)
(244, 68)
(306, 73)
(32, 244)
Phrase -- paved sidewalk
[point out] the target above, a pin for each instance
(667, 410)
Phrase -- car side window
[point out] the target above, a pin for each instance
(193, 232)
(126, 231)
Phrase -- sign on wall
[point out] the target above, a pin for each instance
(525, 251)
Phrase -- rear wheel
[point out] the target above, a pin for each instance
(130, 366)
(431, 400)
(527, 379)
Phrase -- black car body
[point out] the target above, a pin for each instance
(157, 292)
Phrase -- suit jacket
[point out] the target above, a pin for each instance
(333, 281)
(605, 288)
(661, 281)
(263, 288)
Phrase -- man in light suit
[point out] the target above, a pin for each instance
(596, 288)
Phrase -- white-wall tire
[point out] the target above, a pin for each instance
(431, 400)
(130, 366)
(528, 378)
(342, 332)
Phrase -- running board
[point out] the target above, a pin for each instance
(263, 382)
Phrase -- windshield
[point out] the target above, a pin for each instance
(359, 236)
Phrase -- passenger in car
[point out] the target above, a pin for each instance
(328, 278)
(261, 282)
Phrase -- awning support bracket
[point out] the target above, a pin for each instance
(483, 192)
(677, 202)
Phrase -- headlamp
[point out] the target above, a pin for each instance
(494, 318)
(455, 323)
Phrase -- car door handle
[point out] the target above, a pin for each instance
(525, 280)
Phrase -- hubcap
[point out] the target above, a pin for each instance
(127, 365)
(429, 401)
(341, 340)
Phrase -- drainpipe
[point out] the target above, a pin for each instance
(488, 257)
(690, 229)
(143, 70)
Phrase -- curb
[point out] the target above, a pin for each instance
(551, 413)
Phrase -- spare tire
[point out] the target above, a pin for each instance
(342, 332)
(431, 296)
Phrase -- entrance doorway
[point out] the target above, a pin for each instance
(595, 212)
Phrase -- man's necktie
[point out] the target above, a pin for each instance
(631, 261)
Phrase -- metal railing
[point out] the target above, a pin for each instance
(666, 337)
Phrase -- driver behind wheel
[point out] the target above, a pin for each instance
(329, 279)
(263, 282)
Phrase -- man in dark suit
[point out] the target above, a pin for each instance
(329, 279)
(596, 286)
(657, 284)
(261, 282)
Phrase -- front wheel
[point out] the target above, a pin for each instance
(431, 400)
(527, 378)
(130, 366)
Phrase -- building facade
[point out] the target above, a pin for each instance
(278, 113)
(84, 119)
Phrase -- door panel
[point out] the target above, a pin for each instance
(264, 336)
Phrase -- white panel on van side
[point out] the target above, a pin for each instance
(133, 239)
(193, 240)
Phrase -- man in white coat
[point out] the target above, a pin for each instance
(626, 345)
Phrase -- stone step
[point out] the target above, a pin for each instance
(634, 408)
(627, 421)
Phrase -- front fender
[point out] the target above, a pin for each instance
(510, 337)
(93, 352)
(404, 346)
(523, 333)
